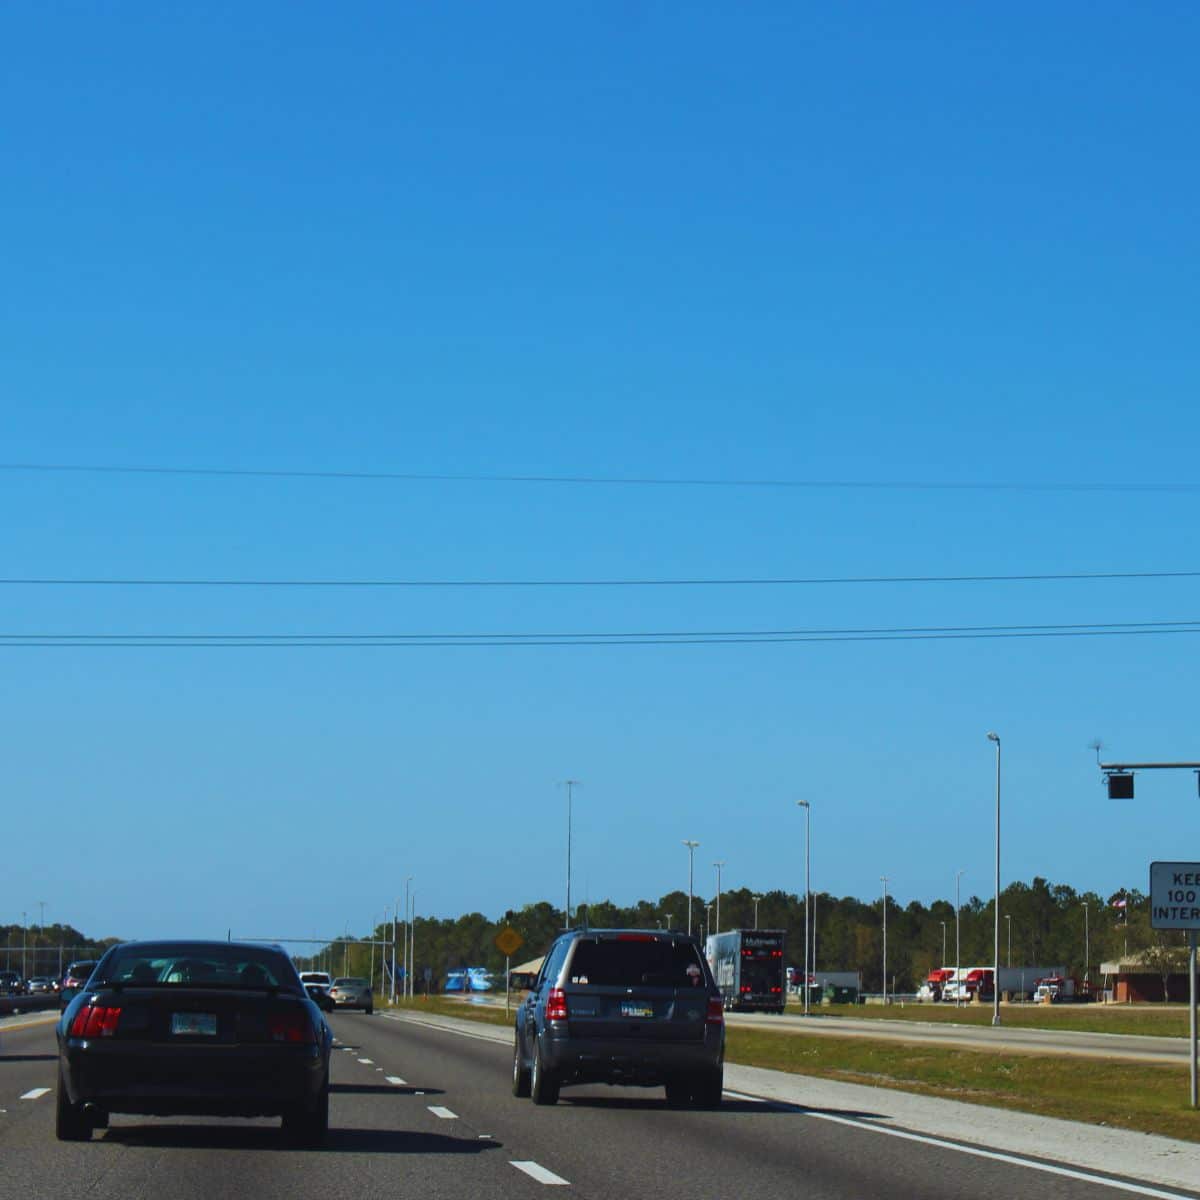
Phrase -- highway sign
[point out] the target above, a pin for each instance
(509, 941)
(1175, 895)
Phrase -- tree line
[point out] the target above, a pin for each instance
(1041, 924)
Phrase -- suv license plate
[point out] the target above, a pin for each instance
(194, 1024)
(630, 1009)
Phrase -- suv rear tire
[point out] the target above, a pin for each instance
(520, 1079)
(707, 1089)
(543, 1084)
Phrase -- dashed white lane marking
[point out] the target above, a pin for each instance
(534, 1171)
(395, 1079)
(370, 1062)
(444, 1113)
(997, 1156)
(35, 1094)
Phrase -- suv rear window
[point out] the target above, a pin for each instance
(608, 962)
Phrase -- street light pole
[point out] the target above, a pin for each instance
(1008, 920)
(883, 880)
(756, 899)
(943, 924)
(1086, 951)
(804, 804)
(691, 847)
(957, 941)
(995, 737)
(718, 865)
(570, 785)
(407, 936)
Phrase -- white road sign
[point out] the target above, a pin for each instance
(1175, 895)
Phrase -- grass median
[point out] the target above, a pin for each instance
(1147, 1097)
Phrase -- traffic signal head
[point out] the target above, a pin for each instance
(1120, 785)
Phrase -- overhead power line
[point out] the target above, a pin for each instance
(765, 581)
(884, 485)
(636, 638)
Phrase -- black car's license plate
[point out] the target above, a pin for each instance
(192, 1024)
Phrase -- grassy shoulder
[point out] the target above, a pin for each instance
(1159, 1020)
(1150, 1098)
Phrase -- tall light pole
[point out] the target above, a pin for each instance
(1087, 950)
(718, 865)
(24, 933)
(943, 943)
(707, 918)
(570, 785)
(995, 737)
(957, 940)
(407, 935)
(691, 847)
(756, 899)
(804, 804)
(884, 881)
(1008, 919)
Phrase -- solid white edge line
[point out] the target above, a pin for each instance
(369, 1062)
(444, 1113)
(35, 1094)
(1000, 1156)
(535, 1171)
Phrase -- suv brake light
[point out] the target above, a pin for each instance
(95, 1021)
(556, 1005)
(716, 1011)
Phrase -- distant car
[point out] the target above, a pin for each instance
(74, 978)
(11, 984)
(40, 985)
(627, 1007)
(197, 1029)
(353, 992)
(320, 978)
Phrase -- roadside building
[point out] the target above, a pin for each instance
(1133, 980)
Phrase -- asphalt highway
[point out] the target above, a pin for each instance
(419, 1109)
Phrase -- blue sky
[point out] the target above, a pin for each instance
(880, 244)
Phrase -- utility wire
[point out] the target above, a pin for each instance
(601, 636)
(301, 641)
(799, 581)
(611, 480)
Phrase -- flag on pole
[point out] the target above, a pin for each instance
(1119, 903)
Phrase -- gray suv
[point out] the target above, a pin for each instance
(626, 1006)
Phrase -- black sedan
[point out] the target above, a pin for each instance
(194, 1028)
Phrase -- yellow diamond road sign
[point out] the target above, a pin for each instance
(509, 941)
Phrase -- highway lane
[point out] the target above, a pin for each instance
(419, 1108)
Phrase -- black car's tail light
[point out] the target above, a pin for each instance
(290, 1027)
(716, 1011)
(556, 1005)
(95, 1021)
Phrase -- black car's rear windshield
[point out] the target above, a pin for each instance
(609, 962)
(225, 965)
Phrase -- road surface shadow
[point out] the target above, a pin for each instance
(728, 1105)
(375, 1089)
(258, 1138)
(28, 1058)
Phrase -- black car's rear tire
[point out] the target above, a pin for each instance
(543, 1084)
(520, 1073)
(70, 1122)
(679, 1092)
(308, 1127)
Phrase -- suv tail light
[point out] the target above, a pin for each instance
(95, 1021)
(290, 1027)
(556, 1005)
(716, 1011)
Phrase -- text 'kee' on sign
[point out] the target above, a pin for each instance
(1175, 895)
